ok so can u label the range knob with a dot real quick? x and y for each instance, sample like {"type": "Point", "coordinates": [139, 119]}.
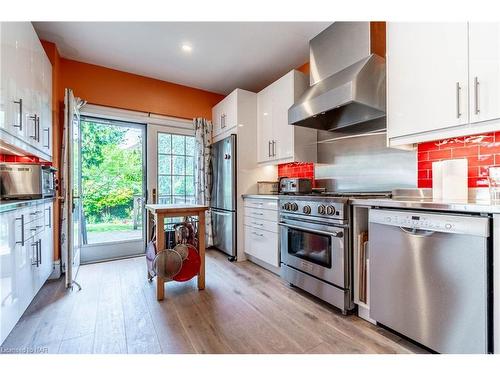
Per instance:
{"type": "Point", "coordinates": [306, 209]}
{"type": "Point", "coordinates": [330, 210]}
{"type": "Point", "coordinates": [321, 209]}
{"type": "Point", "coordinates": [294, 207]}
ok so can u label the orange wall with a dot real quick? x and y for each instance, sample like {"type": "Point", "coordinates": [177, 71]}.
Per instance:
{"type": "Point", "coordinates": [305, 68]}
{"type": "Point", "coordinates": [114, 88]}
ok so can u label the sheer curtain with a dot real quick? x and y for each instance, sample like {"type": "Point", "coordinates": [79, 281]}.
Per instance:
{"type": "Point", "coordinates": [203, 169]}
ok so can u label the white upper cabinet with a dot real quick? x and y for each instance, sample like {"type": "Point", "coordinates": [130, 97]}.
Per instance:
{"type": "Point", "coordinates": [484, 71]}
{"type": "Point", "coordinates": [443, 80]}
{"type": "Point", "coordinates": [26, 90]}
{"type": "Point", "coordinates": [427, 81]}
{"type": "Point", "coordinates": [279, 142]}
{"type": "Point", "coordinates": [225, 114]}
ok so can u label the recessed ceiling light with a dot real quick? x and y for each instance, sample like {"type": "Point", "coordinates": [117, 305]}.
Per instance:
{"type": "Point", "coordinates": [186, 47]}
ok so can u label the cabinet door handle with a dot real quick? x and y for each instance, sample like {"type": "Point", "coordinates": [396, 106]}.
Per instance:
{"type": "Point", "coordinates": [269, 148]}
{"type": "Point", "coordinates": [458, 99]}
{"type": "Point", "coordinates": [223, 121]}
{"type": "Point", "coordinates": [34, 136]}
{"type": "Point", "coordinates": [274, 148]}
{"type": "Point", "coordinates": [35, 245]}
{"type": "Point", "coordinates": [476, 95]}
{"type": "Point", "coordinates": [38, 129]}
{"type": "Point", "coordinates": [39, 247]}
{"type": "Point", "coordinates": [48, 137]}
{"type": "Point", "coordinates": [20, 102]}
{"type": "Point", "coordinates": [22, 230]}
{"type": "Point", "coordinates": [257, 234]}
{"type": "Point", "coordinates": [260, 224]}
{"type": "Point", "coordinates": [50, 216]}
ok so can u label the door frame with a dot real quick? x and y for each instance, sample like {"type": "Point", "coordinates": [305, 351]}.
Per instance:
{"type": "Point", "coordinates": [153, 124]}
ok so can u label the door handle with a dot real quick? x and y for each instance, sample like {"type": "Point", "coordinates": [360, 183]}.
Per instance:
{"type": "Point", "coordinates": [417, 232]}
{"type": "Point", "coordinates": [476, 95]}
{"type": "Point", "coordinates": [22, 230]}
{"type": "Point", "coordinates": [35, 245]}
{"type": "Point", "coordinates": [258, 234]}
{"type": "Point", "coordinates": [39, 247]}
{"type": "Point", "coordinates": [34, 136]}
{"type": "Point", "coordinates": [50, 216]}
{"type": "Point", "coordinates": [48, 137]}
{"type": "Point", "coordinates": [20, 102]}
{"type": "Point", "coordinates": [458, 88]}
{"type": "Point", "coordinates": [339, 234]}
{"type": "Point", "coordinates": [274, 148]}
{"type": "Point", "coordinates": [269, 148]}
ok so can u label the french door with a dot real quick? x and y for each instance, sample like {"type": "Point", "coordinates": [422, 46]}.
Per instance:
{"type": "Point", "coordinates": [71, 189]}
{"type": "Point", "coordinates": [113, 180]}
{"type": "Point", "coordinates": [171, 159]}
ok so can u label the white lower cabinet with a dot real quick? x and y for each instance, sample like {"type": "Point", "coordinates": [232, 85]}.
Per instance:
{"type": "Point", "coordinates": [26, 259]}
{"type": "Point", "coordinates": [261, 231]}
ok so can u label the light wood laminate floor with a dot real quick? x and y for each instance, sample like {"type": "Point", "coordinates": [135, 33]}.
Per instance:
{"type": "Point", "coordinates": [244, 309]}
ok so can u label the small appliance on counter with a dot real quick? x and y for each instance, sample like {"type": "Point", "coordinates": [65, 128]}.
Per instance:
{"type": "Point", "coordinates": [267, 187]}
{"type": "Point", "coordinates": [26, 181]}
{"type": "Point", "coordinates": [449, 180]}
{"type": "Point", "coordinates": [295, 186]}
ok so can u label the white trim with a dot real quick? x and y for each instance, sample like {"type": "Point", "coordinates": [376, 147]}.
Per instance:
{"type": "Point", "coordinates": [135, 116]}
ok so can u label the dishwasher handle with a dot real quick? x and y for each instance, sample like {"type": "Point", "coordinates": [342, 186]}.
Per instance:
{"type": "Point", "coordinates": [417, 232]}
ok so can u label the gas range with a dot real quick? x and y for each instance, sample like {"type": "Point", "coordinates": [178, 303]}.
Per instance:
{"type": "Point", "coordinates": [315, 245]}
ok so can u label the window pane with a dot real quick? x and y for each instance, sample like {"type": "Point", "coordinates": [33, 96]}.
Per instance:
{"type": "Point", "coordinates": [176, 168]}
{"type": "Point", "coordinates": [189, 185]}
{"type": "Point", "coordinates": [164, 143]}
{"type": "Point", "coordinates": [178, 144]}
{"type": "Point", "coordinates": [164, 164]}
{"type": "Point", "coordinates": [179, 199]}
{"type": "Point", "coordinates": [189, 165]}
{"type": "Point", "coordinates": [165, 200]}
{"type": "Point", "coordinates": [165, 187]}
{"type": "Point", "coordinates": [179, 165]}
{"type": "Point", "coordinates": [190, 145]}
{"type": "Point", "coordinates": [179, 185]}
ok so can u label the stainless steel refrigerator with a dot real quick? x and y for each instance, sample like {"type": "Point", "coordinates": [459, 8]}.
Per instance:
{"type": "Point", "coordinates": [223, 199]}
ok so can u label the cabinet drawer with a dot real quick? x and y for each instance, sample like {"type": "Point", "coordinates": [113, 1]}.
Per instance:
{"type": "Point", "coordinates": [267, 204]}
{"type": "Point", "coordinates": [258, 213]}
{"type": "Point", "coordinates": [262, 245]}
{"type": "Point", "coordinates": [261, 224]}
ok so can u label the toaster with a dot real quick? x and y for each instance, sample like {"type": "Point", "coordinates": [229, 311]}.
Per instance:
{"type": "Point", "coordinates": [295, 185]}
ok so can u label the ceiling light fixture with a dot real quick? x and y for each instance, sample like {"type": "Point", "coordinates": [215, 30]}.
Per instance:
{"type": "Point", "coordinates": [186, 47]}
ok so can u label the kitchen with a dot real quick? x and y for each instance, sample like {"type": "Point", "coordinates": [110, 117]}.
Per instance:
{"type": "Point", "coordinates": [300, 207]}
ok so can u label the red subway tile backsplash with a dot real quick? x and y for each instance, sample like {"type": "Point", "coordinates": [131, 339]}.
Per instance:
{"type": "Point", "coordinates": [305, 170]}
{"type": "Point", "coordinates": [481, 151]}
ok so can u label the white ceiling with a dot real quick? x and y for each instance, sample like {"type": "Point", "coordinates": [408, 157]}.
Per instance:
{"type": "Point", "coordinates": [224, 56]}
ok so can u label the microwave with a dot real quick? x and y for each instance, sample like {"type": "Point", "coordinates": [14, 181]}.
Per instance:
{"type": "Point", "coordinates": [26, 181]}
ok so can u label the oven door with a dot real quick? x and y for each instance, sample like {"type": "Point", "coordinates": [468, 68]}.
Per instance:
{"type": "Point", "coordinates": [315, 249]}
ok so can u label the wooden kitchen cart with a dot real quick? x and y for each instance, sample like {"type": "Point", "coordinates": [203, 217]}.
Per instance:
{"type": "Point", "coordinates": [162, 211]}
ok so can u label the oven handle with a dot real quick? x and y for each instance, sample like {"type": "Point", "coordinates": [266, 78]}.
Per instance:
{"type": "Point", "coordinates": [338, 234]}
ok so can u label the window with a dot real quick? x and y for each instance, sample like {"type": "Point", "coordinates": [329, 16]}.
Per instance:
{"type": "Point", "coordinates": [175, 168]}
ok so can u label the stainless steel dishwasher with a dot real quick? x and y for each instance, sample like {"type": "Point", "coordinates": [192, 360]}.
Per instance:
{"type": "Point", "coordinates": [429, 278]}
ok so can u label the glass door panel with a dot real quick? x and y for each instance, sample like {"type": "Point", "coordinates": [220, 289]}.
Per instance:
{"type": "Point", "coordinates": [113, 188]}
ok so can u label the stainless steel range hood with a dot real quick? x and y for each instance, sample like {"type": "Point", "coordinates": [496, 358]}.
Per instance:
{"type": "Point", "coordinates": [352, 95]}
